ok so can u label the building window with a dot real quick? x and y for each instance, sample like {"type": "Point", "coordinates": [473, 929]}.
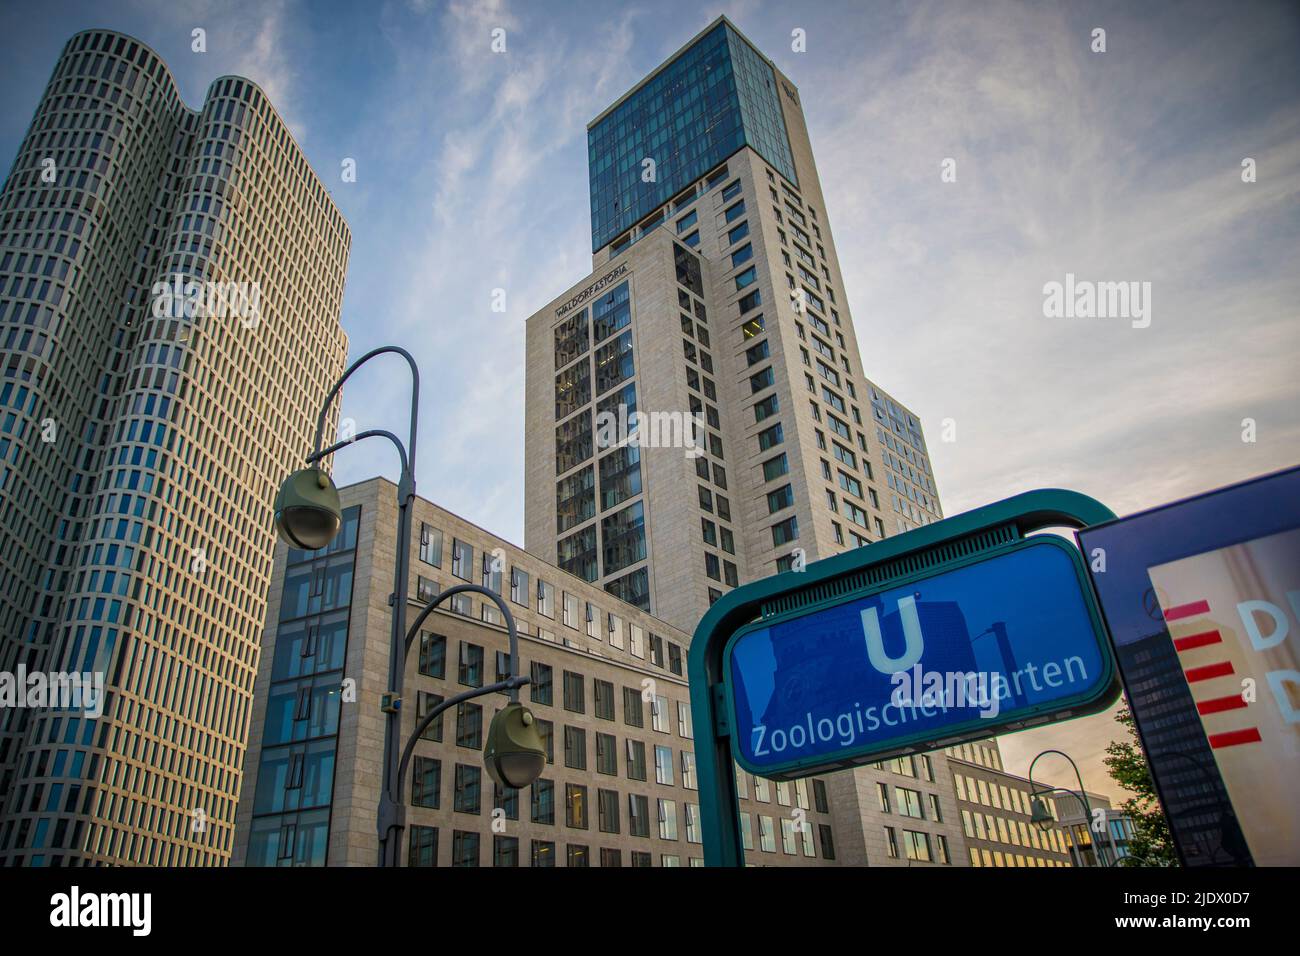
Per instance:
{"type": "Point", "coordinates": [578, 855]}
{"type": "Point", "coordinates": [505, 850]}
{"type": "Point", "coordinates": [575, 748]}
{"type": "Point", "coordinates": [828, 844]}
{"type": "Point", "coordinates": [659, 718]}
{"type": "Point", "coordinates": [424, 846]}
{"type": "Point", "coordinates": [469, 725]}
{"type": "Point", "coordinates": [430, 545]}
{"type": "Point", "coordinates": [606, 754]}
{"type": "Point", "coordinates": [433, 654]}
{"type": "Point", "coordinates": [470, 672]}
{"type": "Point", "coordinates": [820, 802]}
{"type": "Point", "coordinates": [667, 813]}
{"type": "Point", "coordinates": [607, 810]}
{"type": "Point", "coordinates": [891, 843]}
{"type": "Point", "coordinates": [633, 711]}
{"type": "Point", "coordinates": [426, 782]}
{"type": "Point", "coordinates": [506, 799]}
{"type": "Point", "coordinates": [543, 797]}
{"type": "Point", "coordinates": [541, 687]}
{"type": "Point", "coordinates": [575, 806]}
{"type": "Point", "coordinates": [575, 700]}
{"type": "Point", "coordinates": [638, 815]}
{"type": "Point", "coordinates": [635, 760]}
{"type": "Point", "coordinates": [426, 702]}
{"type": "Point", "coordinates": [604, 707]}
{"type": "Point", "coordinates": [468, 789]}
{"type": "Point", "coordinates": [664, 765]}
{"type": "Point", "coordinates": [462, 559]}
{"type": "Point", "coordinates": [543, 853]}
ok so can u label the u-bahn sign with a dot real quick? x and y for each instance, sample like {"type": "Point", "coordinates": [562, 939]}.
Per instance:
{"type": "Point", "coordinates": [954, 632]}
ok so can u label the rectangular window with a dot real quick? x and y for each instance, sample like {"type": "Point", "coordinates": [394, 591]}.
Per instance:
{"type": "Point", "coordinates": [633, 711]}
{"type": "Point", "coordinates": [470, 668]}
{"type": "Point", "coordinates": [775, 467]}
{"type": "Point", "coordinates": [543, 853]}
{"type": "Point", "coordinates": [424, 846]}
{"type": "Point", "coordinates": [542, 688]}
{"type": "Point", "coordinates": [746, 278]}
{"type": "Point", "coordinates": [430, 545]}
{"type": "Point", "coordinates": [667, 812]}
{"type": "Point", "coordinates": [462, 559]}
{"type": "Point", "coordinates": [607, 754]}
{"type": "Point", "coordinates": [468, 788]}
{"type": "Point", "coordinates": [575, 806]}
{"type": "Point", "coordinates": [785, 531]}
{"type": "Point", "coordinates": [505, 850]}
{"type": "Point", "coordinates": [433, 654]}
{"type": "Point", "coordinates": [426, 782]}
{"type": "Point", "coordinates": [604, 692]}
{"type": "Point", "coordinates": [469, 725]}
{"type": "Point", "coordinates": [607, 811]}
{"type": "Point", "coordinates": [543, 797]}
{"type": "Point", "coordinates": [664, 765]}
{"type": "Point", "coordinates": [575, 700]}
{"type": "Point", "coordinates": [638, 815]}
{"type": "Point", "coordinates": [575, 748]}
{"type": "Point", "coordinates": [635, 759]}
{"type": "Point", "coordinates": [519, 587]}
{"type": "Point", "coordinates": [770, 437]}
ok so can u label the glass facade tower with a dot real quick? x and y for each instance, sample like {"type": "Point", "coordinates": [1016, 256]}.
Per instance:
{"type": "Point", "coordinates": [717, 96]}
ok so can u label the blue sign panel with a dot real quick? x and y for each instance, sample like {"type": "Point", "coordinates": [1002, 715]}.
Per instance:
{"type": "Point", "coordinates": [1006, 640]}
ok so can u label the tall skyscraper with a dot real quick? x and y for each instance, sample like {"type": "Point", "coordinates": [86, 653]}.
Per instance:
{"type": "Point", "coordinates": [716, 296]}
{"type": "Point", "coordinates": [170, 285]}
{"type": "Point", "coordinates": [698, 414]}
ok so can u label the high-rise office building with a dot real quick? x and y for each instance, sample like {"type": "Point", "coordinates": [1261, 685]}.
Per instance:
{"type": "Point", "coordinates": [698, 414]}
{"type": "Point", "coordinates": [608, 690]}
{"type": "Point", "coordinates": [715, 318]}
{"type": "Point", "coordinates": [170, 285]}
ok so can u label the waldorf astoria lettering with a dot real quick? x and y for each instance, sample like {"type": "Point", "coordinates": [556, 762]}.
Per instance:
{"type": "Point", "coordinates": [591, 290]}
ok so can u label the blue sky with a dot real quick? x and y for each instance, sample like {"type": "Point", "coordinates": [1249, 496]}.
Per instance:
{"type": "Point", "coordinates": [1115, 166]}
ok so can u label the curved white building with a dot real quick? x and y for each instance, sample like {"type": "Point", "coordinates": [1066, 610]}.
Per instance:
{"type": "Point", "coordinates": [141, 441]}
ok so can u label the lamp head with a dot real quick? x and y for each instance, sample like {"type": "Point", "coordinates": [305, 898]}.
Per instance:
{"type": "Point", "coordinates": [1040, 816]}
{"type": "Point", "coordinates": [514, 754]}
{"type": "Point", "coordinates": [307, 509]}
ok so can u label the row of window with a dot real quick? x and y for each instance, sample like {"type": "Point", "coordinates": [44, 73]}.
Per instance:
{"type": "Point", "coordinates": [466, 850]}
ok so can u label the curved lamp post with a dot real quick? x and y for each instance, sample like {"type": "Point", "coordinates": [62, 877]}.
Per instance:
{"type": "Point", "coordinates": [1042, 818]}
{"type": "Point", "coordinates": [308, 515]}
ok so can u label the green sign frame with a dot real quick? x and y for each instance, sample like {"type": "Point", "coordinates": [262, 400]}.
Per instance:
{"type": "Point", "coordinates": [893, 562]}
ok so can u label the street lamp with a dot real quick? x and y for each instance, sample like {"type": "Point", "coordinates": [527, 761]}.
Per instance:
{"type": "Point", "coordinates": [307, 509]}
{"type": "Point", "coordinates": [308, 515]}
{"type": "Point", "coordinates": [1040, 815]}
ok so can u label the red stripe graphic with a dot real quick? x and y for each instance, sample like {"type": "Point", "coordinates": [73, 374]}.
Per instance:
{"type": "Point", "coordinates": [1218, 704]}
{"type": "Point", "coordinates": [1196, 640]}
{"type": "Point", "coordinates": [1209, 670]}
{"type": "Point", "coordinates": [1181, 611]}
{"type": "Point", "coordinates": [1234, 737]}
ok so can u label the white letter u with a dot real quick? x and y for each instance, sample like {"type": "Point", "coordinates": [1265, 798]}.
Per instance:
{"type": "Point", "coordinates": [914, 643]}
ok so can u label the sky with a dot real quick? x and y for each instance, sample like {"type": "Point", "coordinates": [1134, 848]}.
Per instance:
{"type": "Point", "coordinates": [1115, 166]}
